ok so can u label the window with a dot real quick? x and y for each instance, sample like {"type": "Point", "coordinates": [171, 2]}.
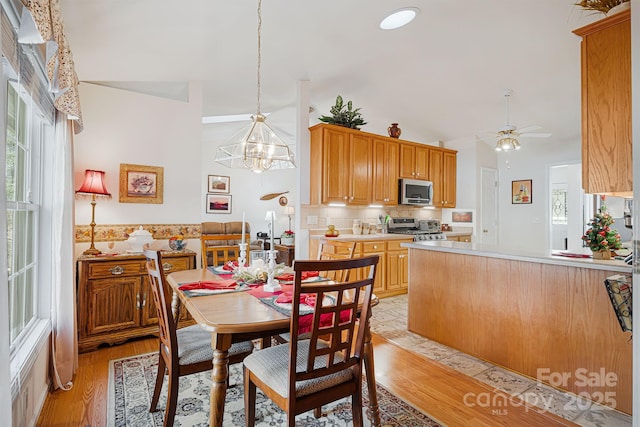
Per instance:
{"type": "Point", "coordinates": [25, 131]}
{"type": "Point", "coordinates": [559, 206]}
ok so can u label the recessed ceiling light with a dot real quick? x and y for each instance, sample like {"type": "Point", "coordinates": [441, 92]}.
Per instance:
{"type": "Point", "coordinates": [399, 18]}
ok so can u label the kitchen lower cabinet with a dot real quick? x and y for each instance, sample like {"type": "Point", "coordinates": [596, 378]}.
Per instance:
{"type": "Point", "coordinates": [114, 299]}
{"type": "Point", "coordinates": [464, 238]}
{"type": "Point", "coordinates": [397, 278]}
{"type": "Point", "coordinates": [375, 248]}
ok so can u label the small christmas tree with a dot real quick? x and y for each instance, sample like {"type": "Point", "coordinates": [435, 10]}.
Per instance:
{"type": "Point", "coordinates": [600, 237]}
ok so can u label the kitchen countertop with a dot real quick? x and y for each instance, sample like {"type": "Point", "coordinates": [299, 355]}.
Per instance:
{"type": "Point", "coordinates": [543, 257]}
{"type": "Point", "coordinates": [364, 237]}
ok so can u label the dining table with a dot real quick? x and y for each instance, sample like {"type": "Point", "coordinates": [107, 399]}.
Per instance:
{"type": "Point", "coordinates": [239, 316]}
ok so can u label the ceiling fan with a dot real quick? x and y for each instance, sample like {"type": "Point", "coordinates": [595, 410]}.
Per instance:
{"type": "Point", "coordinates": [509, 135]}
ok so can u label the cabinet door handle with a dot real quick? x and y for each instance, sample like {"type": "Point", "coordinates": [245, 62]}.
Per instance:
{"type": "Point", "coordinates": [116, 270]}
{"type": "Point", "coordinates": [138, 301]}
{"type": "Point", "coordinates": [167, 267]}
{"type": "Point", "coordinates": [144, 299]}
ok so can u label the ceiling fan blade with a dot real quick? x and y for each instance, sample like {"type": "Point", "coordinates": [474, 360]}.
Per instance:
{"type": "Point", "coordinates": [270, 196]}
{"type": "Point", "coordinates": [527, 129]}
{"type": "Point", "coordinates": [535, 135]}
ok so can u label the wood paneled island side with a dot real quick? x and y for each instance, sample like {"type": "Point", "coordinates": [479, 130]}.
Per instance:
{"type": "Point", "coordinates": [547, 317]}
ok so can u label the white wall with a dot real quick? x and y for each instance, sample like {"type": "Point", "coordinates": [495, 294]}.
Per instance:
{"type": "Point", "coordinates": [128, 127]}
{"type": "Point", "coordinates": [526, 226]}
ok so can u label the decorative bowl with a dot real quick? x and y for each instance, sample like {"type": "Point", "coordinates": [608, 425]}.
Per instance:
{"type": "Point", "coordinates": [177, 245]}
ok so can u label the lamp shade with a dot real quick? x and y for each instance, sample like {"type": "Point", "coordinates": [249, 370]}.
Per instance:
{"type": "Point", "coordinates": [270, 215]}
{"type": "Point", "coordinates": [289, 210]}
{"type": "Point", "coordinates": [93, 184]}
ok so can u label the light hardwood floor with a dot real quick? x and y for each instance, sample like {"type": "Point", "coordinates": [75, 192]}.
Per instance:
{"type": "Point", "coordinates": [432, 387]}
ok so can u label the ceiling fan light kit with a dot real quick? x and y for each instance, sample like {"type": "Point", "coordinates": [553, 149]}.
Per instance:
{"type": "Point", "coordinates": [508, 136]}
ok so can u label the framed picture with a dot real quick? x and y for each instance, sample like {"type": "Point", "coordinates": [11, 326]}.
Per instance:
{"type": "Point", "coordinates": [218, 184]}
{"type": "Point", "coordinates": [462, 216]}
{"type": "Point", "coordinates": [521, 192]}
{"type": "Point", "coordinates": [217, 203]}
{"type": "Point", "coordinates": [141, 184]}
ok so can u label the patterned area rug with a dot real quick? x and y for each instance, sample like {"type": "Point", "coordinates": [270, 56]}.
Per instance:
{"type": "Point", "coordinates": [131, 382]}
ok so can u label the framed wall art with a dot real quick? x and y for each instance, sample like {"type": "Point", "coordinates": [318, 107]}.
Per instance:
{"type": "Point", "coordinates": [218, 184]}
{"type": "Point", "coordinates": [141, 184]}
{"type": "Point", "coordinates": [521, 192]}
{"type": "Point", "coordinates": [217, 203]}
{"type": "Point", "coordinates": [462, 216]}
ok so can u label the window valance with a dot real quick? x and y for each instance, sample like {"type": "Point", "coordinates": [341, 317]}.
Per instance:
{"type": "Point", "coordinates": [41, 23]}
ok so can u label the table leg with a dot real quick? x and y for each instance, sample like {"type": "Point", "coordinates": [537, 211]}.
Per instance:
{"type": "Point", "coordinates": [219, 377]}
{"type": "Point", "coordinates": [374, 410]}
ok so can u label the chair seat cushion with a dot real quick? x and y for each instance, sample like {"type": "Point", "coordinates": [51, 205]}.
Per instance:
{"type": "Point", "coordinates": [272, 364]}
{"type": "Point", "coordinates": [194, 345]}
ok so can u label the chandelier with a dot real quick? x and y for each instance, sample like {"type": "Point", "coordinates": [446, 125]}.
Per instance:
{"type": "Point", "coordinates": [256, 147]}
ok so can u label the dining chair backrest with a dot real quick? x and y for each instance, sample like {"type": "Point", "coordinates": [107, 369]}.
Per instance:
{"type": "Point", "coordinates": [166, 321]}
{"type": "Point", "coordinates": [320, 370]}
{"type": "Point", "coordinates": [216, 250]}
{"type": "Point", "coordinates": [333, 250]}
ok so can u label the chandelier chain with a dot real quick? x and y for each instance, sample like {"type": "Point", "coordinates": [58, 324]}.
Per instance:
{"type": "Point", "coordinates": [259, 48]}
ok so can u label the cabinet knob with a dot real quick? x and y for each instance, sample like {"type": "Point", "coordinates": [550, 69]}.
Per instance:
{"type": "Point", "coordinates": [413, 173]}
{"type": "Point", "coordinates": [167, 267]}
{"type": "Point", "coordinates": [485, 230]}
{"type": "Point", "coordinates": [417, 173]}
{"type": "Point", "coordinates": [345, 197]}
{"type": "Point", "coordinates": [375, 246]}
{"type": "Point", "coordinates": [116, 270]}
{"type": "Point", "coordinates": [351, 198]}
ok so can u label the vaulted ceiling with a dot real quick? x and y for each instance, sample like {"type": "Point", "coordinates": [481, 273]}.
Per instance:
{"type": "Point", "coordinates": [442, 77]}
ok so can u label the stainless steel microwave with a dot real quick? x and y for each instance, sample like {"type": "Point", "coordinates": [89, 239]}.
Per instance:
{"type": "Point", "coordinates": [415, 192]}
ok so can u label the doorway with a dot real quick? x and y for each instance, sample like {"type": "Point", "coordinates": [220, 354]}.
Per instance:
{"type": "Point", "coordinates": [488, 206]}
{"type": "Point", "coordinates": [567, 207]}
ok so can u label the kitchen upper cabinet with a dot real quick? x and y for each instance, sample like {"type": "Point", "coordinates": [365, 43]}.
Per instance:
{"type": "Point", "coordinates": [442, 172]}
{"type": "Point", "coordinates": [606, 105]}
{"type": "Point", "coordinates": [414, 161]}
{"type": "Point", "coordinates": [341, 165]}
{"type": "Point", "coordinates": [385, 171]}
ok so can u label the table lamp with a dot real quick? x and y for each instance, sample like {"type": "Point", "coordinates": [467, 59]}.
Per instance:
{"type": "Point", "coordinates": [289, 211]}
{"type": "Point", "coordinates": [93, 186]}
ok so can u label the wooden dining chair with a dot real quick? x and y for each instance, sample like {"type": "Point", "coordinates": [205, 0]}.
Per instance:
{"type": "Point", "coordinates": [217, 250]}
{"type": "Point", "coordinates": [318, 371]}
{"type": "Point", "coordinates": [336, 249]}
{"type": "Point", "coordinates": [183, 351]}
{"type": "Point", "coordinates": [328, 249]}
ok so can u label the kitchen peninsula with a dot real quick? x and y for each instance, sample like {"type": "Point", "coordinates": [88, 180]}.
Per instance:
{"type": "Point", "coordinates": [544, 316]}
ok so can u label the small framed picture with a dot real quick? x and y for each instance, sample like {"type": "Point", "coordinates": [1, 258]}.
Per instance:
{"type": "Point", "coordinates": [217, 203]}
{"type": "Point", "coordinates": [462, 216]}
{"type": "Point", "coordinates": [141, 184]}
{"type": "Point", "coordinates": [521, 192]}
{"type": "Point", "coordinates": [218, 184]}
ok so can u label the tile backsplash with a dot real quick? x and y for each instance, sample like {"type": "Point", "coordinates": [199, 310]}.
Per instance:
{"type": "Point", "coordinates": [342, 217]}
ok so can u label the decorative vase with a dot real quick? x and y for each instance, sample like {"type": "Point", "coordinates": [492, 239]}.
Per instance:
{"type": "Point", "coordinates": [603, 255]}
{"type": "Point", "coordinates": [394, 130]}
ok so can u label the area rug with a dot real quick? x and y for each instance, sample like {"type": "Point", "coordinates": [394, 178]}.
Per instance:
{"type": "Point", "coordinates": [131, 382]}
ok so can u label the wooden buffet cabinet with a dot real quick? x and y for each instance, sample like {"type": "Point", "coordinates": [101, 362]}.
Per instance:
{"type": "Point", "coordinates": [359, 168]}
{"type": "Point", "coordinates": [114, 301]}
{"type": "Point", "coordinates": [607, 163]}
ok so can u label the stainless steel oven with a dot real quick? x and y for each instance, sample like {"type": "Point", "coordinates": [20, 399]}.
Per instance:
{"type": "Point", "coordinates": [421, 230]}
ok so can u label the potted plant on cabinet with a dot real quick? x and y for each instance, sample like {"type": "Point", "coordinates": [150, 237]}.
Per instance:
{"type": "Point", "coordinates": [342, 115]}
{"type": "Point", "coordinates": [288, 238]}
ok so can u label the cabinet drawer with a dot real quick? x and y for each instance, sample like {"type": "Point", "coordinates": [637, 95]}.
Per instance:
{"type": "Point", "coordinates": [368, 247]}
{"type": "Point", "coordinates": [174, 264]}
{"type": "Point", "coordinates": [395, 245]}
{"type": "Point", "coordinates": [116, 269]}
